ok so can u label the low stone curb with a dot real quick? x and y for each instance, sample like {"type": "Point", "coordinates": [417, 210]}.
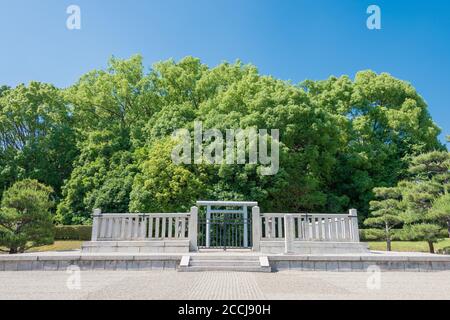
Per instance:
{"type": "Point", "coordinates": [359, 263]}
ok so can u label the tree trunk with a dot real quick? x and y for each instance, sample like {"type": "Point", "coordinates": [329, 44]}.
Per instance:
{"type": "Point", "coordinates": [430, 244]}
{"type": "Point", "coordinates": [388, 238]}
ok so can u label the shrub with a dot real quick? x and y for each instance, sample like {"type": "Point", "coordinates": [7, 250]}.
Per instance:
{"type": "Point", "coordinates": [73, 233]}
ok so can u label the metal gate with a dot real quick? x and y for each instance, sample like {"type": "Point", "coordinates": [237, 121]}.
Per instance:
{"type": "Point", "coordinates": [224, 225]}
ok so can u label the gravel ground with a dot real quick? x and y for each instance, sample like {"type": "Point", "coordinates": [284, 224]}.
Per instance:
{"type": "Point", "coordinates": [172, 285]}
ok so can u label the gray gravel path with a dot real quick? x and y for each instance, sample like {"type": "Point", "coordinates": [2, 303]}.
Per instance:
{"type": "Point", "coordinates": [224, 285]}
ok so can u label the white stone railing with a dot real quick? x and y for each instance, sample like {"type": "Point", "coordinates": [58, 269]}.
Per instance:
{"type": "Point", "coordinates": [304, 227]}
{"type": "Point", "coordinates": [144, 226]}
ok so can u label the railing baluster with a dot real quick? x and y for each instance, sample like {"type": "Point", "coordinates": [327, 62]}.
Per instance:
{"type": "Point", "coordinates": [280, 227]}
{"type": "Point", "coordinates": [339, 229]}
{"type": "Point", "coordinates": [183, 227]}
{"type": "Point", "coordinates": [306, 228]}
{"type": "Point", "coordinates": [272, 227]}
{"type": "Point", "coordinates": [150, 227]}
{"type": "Point", "coordinates": [299, 228]}
{"type": "Point", "coordinates": [169, 231]}
{"type": "Point", "coordinates": [326, 226]}
{"type": "Point", "coordinates": [157, 231]}
{"type": "Point", "coordinates": [163, 229]}
{"type": "Point", "coordinates": [313, 225]}
{"type": "Point", "coordinates": [319, 227]}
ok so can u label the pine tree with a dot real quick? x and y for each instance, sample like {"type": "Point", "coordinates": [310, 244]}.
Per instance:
{"type": "Point", "coordinates": [25, 218]}
{"type": "Point", "coordinates": [429, 180]}
{"type": "Point", "coordinates": [441, 210]}
{"type": "Point", "coordinates": [386, 211]}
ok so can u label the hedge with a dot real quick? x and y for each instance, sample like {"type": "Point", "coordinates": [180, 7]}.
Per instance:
{"type": "Point", "coordinates": [73, 233]}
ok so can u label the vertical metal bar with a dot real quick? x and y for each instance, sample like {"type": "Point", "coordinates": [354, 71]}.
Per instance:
{"type": "Point", "coordinates": [225, 231]}
{"type": "Point", "coordinates": [245, 216]}
{"type": "Point", "coordinates": [208, 226]}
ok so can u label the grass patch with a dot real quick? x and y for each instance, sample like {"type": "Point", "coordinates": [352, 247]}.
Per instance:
{"type": "Point", "coordinates": [57, 246]}
{"type": "Point", "coordinates": [64, 245]}
{"type": "Point", "coordinates": [412, 246]}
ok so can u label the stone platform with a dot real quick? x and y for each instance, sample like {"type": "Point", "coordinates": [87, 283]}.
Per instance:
{"type": "Point", "coordinates": [154, 246]}
{"type": "Point", "coordinates": [394, 261]}
{"type": "Point", "coordinates": [314, 247]}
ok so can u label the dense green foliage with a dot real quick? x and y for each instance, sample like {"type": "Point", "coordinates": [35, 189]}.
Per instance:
{"type": "Point", "coordinates": [106, 141]}
{"type": "Point", "coordinates": [37, 136]}
{"type": "Point", "coordinates": [25, 218]}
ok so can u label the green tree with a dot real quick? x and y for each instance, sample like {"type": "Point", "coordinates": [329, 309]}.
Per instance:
{"type": "Point", "coordinates": [440, 210]}
{"type": "Point", "coordinates": [428, 232]}
{"type": "Point", "coordinates": [25, 218]}
{"type": "Point", "coordinates": [37, 137]}
{"type": "Point", "coordinates": [429, 180]}
{"type": "Point", "coordinates": [340, 137]}
{"type": "Point", "coordinates": [385, 120]}
{"type": "Point", "coordinates": [386, 211]}
{"type": "Point", "coordinates": [163, 186]}
{"type": "Point", "coordinates": [102, 178]}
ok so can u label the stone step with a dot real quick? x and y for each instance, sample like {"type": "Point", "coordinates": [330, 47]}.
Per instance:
{"type": "Point", "coordinates": [225, 257]}
{"type": "Point", "coordinates": [224, 263]}
{"type": "Point", "coordinates": [225, 268]}
{"type": "Point", "coordinates": [237, 263]}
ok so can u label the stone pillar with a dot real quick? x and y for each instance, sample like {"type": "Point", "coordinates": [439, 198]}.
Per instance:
{"type": "Point", "coordinates": [288, 233]}
{"type": "Point", "coordinates": [256, 229]}
{"type": "Point", "coordinates": [193, 229]}
{"type": "Point", "coordinates": [95, 223]}
{"type": "Point", "coordinates": [353, 214]}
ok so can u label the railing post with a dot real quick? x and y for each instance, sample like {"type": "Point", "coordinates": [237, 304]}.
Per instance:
{"type": "Point", "coordinates": [256, 229]}
{"type": "Point", "coordinates": [95, 223]}
{"type": "Point", "coordinates": [193, 229]}
{"type": "Point", "coordinates": [353, 214]}
{"type": "Point", "coordinates": [288, 233]}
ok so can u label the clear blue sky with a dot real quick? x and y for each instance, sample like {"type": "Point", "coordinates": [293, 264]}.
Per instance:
{"type": "Point", "coordinates": [292, 40]}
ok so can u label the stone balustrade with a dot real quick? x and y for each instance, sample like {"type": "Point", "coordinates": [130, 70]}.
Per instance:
{"type": "Point", "coordinates": [288, 233]}
{"type": "Point", "coordinates": [141, 227]}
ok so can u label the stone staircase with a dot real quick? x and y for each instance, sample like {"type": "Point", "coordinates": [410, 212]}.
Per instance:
{"type": "Point", "coordinates": [198, 263]}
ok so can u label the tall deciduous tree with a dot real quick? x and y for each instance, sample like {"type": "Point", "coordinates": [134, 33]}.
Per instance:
{"type": "Point", "coordinates": [385, 120]}
{"type": "Point", "coordinates": [340, 138]}
{"type": "Point", "coordinates": [37, 136]}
